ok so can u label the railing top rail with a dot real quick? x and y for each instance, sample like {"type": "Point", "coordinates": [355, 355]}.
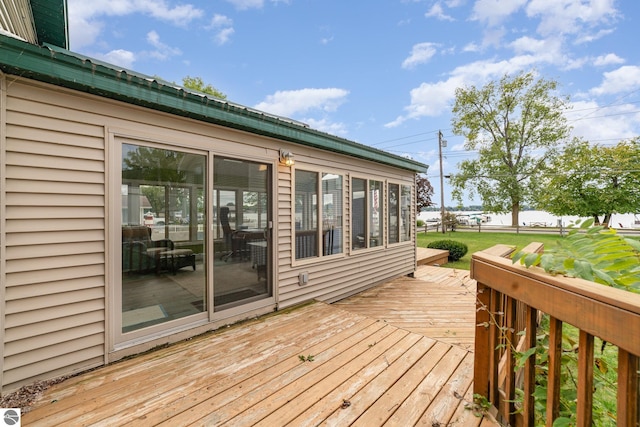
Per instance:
{"type": "Point", "coordinates": [609, 313]}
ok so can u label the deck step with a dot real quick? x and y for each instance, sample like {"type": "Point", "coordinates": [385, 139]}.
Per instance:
{"type": "Point", "coordinates": [428, 256]}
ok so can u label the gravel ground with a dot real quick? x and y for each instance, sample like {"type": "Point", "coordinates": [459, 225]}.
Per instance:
{"type": "Point", "coordinates": [26, 395]}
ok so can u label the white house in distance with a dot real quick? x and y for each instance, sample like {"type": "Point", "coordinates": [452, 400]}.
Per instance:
{"type": "Point", "coordinates": [135, 213]}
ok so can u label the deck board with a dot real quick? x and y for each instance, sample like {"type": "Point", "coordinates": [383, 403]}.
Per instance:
{"type": "Point", "coordinates": [438, 303]}
{"type": "Point", "coordinates": [387, 356]}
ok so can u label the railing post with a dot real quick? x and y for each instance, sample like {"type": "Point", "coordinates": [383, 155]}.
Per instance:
{"type": "Point", "coordinates": [628, 414]}
{"type": "Point", "coordinates": [482, 359]}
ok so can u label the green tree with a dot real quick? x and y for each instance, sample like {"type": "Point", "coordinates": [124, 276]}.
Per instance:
{"type": "Point", "coordinates": [513, 124]}
{"type": "Point", "coordinates": [424, 191]}
{"type": "Point", "coordinates": [196, 83]}
{"type": "Point", "coordinates": [592, 180]}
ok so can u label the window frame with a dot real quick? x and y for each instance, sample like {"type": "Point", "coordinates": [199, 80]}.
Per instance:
{"type": "Point", "coordinates": [399, 208]}
{"type": "Point", "coordinates": [319, 215]}
{"type": "Point", "coordinates": [382, 203]}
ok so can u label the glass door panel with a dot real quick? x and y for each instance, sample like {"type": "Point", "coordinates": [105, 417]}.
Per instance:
{"type": "Point", "coordinates": [242, 195]}
{"type": "Point", "coordinates": [163, 236]}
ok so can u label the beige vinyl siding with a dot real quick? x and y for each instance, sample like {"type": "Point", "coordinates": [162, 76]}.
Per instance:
{"type": "Point", "coordinates": [334, 277]}
{"type": "Point", "coordinates": [54, 318]}
{"type": "Point", "coordinates": [55, 243]}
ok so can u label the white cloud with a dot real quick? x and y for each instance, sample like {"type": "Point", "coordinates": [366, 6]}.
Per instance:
{"type": "Point", "coordinates": [247, 4]}
{"type": "Point", "coordinates": [603, 124]}
{"type": "Point", "coordinates": [420, 54]}
{"type": "Point", "coordinates": [624, 79]}
{"type": "Point", "coordinates": [570, 16]}
{"type": "Point", "coordinates": [428, 99]}
{"type": "Point", "coordinates": [324, 125]}
{"type": "Point", "coordinates": [120, 57]}
{"type": "Point", "coordinates": [224, 28]}
{"type": "Point", "coordinates": [162, 51]}
{"type": "Point", "coordinates": [433, 99]}
{"type": "Point", "coordinates": [548, 50]}
{"type": "Point", "coordinates": [494, 12]}
{"type": "Point", "coordinates": [608, 59]}
{"type": "Point", "coordinates": [294, 102]}
{"type": "Point", "coordinates": [84, 16]}
{"type": "Point", "coordinates": [437, 11]}
{"type": "Point", "coordinates": [471, 47]}
{"type": "Point", "coordinates": [223, 36]}
{"type": "Point", "coordinates": [220, 21]}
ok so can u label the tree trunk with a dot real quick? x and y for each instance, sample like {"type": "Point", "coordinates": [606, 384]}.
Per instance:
{"type": "Point", "coordinates": [606, 220]}
{"type": "Point", "coordinates": [515, 213]}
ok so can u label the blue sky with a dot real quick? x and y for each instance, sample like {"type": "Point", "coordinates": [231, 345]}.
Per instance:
{"type": "Point", "coordinates": [380, 72]}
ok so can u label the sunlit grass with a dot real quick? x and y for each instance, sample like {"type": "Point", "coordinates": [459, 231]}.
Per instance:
{"type": "Point", "coordinates": [479, 241]}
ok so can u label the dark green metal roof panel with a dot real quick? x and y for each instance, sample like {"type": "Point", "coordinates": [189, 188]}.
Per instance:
{"type": "Point", "coordinates": [66, 69]}
{"type": "Point", "coordinates": [50, 17]}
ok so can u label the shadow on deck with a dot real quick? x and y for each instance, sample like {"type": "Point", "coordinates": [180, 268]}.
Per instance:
{"type": "Point", "coordinates": [397, 354]}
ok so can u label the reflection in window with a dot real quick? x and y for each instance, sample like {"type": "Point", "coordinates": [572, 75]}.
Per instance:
{"type": "Point", "coordinates": [241, 203]}
{"type": "Point", "coordinates": [367, 213]}
{"type": "Point", "coordinates": [163, 235]}
{"type": "Point", "coordinates": [405, 213]}
{"type": "Point", "coordinates": [358, 213]}
{"type": "Point", "coordinates": [376, 212]}
{"type": "Point", "coordinates": [309, 238]}
{"type": "Point", "coordinates": [394, 207]}
{"type": "Point", "coordinates": [306, 216]}
{"type": "Point", "coordinates": [331, 214]}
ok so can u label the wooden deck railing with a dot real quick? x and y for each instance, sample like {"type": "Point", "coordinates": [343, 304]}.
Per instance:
{"type": "Point", "coordinates": [510, 300]}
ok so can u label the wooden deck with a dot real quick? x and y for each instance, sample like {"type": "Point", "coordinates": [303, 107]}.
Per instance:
{"type": "Point", "coordinates": [363, 366]}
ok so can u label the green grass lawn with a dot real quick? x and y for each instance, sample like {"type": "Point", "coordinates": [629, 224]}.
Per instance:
{"type": "Point", "coordinates": [479, 241]}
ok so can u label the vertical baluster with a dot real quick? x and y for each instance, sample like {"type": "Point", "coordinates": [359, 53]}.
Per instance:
{"type": "Point", "coordinates": [508, 407]}
{"type": "Point", "coordinates": [585, 380]}
{"type": "Point", "coordinates": [553, 380]}
{"type": "Point", "coordinates": [482, 359]}
{"type": "Point", "coordinates": [628, 414]}
{"type": "Point", "coordinates": [531, 325]}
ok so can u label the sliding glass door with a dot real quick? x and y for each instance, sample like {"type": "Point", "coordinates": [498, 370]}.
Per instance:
{"type": "Point", "coordinates": [163, 236]}
{"type": "Point", "coordinates": [242, 210]}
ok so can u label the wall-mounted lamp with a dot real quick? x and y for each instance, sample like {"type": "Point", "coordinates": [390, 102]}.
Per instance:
{"type": "Point", "coordinates": [286, 158]}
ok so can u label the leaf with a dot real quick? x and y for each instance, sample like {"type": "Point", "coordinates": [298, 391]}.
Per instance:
{"type": "Point", "coordinates": [602, 365]}
{"type": "Point", "coordinates": [562, 422]}
{"type": "Point", "coordinates": [517, 257]}
{"type": "Point", "coordinates": [583, 269]}
{"type": "Point", "coordinates": [521, 358]}
{"type": "Point", "coordinates": [531, 259]}
{"type": "Point", "coordinates": [635, 244]}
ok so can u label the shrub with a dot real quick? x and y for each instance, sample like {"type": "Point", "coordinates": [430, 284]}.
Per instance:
{"type": "Point", "coordinates": [419, 223]}
{"type": "Point", "coordinates": [456, 249]}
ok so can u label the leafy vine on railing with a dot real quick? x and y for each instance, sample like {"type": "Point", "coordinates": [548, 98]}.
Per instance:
{"type": "Point", "coordinates": [596, 254]}
{"type": "Point", "coordinates": [599, 255]}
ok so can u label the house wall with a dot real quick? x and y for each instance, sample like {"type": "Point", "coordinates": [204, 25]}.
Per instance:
{"type": "Point", "coordinates": [57, 277]}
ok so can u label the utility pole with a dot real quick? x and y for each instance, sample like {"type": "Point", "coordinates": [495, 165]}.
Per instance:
{"type": "Point", "coordinates": [441, 143]}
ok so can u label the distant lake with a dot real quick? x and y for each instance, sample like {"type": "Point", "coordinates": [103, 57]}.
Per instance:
{"type": "Point", "coordinates": [538, 217]}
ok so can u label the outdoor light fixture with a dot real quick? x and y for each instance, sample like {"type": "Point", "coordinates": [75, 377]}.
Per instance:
{"type": "Point", "coordinates": [286, 158]}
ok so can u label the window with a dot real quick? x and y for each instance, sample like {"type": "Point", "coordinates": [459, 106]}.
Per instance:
{"type": "Point", "coordinates": [311, 236]}
{"type": "Point", "coordinates": [399, 217]}
{"type": "Point", "coordinates": [163, 236]}
{"type": "Point", "coordinates": [405, 213]}
{"type": "Point", "coordinates": [394, 214]}
{"type": "Point", "coordinates": [367, 213]}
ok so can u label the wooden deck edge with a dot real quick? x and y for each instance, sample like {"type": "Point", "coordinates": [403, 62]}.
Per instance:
{"type": "Point", "coordinates": [428, 256]}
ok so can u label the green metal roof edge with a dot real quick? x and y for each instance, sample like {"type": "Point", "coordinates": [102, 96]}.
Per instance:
{"type": "Point", "coordinates": [50, 17]}
{"type": "Point", "coordinates": [70, 70]}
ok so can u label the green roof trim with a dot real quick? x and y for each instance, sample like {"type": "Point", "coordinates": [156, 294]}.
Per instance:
{"type": "Point", "coordinates": [50, 18]}
{"type": "Point", "coordinates": [70, 70]}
